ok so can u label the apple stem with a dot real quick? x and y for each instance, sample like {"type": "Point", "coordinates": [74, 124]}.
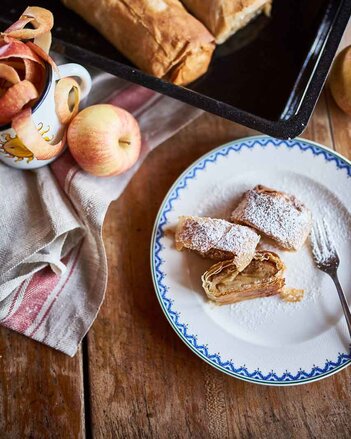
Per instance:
{"type": "Point", "coordinates": [124, 143]}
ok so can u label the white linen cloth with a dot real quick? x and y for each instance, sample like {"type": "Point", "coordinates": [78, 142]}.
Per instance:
{"type": "Point", "coordinates": [53, 268]}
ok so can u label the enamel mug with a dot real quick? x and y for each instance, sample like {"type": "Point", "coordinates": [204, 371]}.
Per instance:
{"type": "Point", "coordinates": [45, 118]}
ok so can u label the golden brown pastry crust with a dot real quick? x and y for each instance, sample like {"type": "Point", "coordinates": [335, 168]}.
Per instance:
{"type": "Point", "coordinates": [217, 239]}
{"type": "Point", "coordinates": [280, 216]}
{"type": "Point", "coordinates": [225, 17]}
{"type": "Point", "coordinates": [263, 277]}
{"type": "Point", "coordinates": [158, 36]}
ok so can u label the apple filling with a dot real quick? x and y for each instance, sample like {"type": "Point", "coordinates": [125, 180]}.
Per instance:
{"type": "Point", "coordinates": [255, 273]}
{"type": "Point", "coordinates": [263, 277]}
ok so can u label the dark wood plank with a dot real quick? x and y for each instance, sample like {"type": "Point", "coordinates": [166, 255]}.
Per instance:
{"type": "Point", "coordinates": [144, 381]}
{"type": "Point", "coordinates": [41, 390]}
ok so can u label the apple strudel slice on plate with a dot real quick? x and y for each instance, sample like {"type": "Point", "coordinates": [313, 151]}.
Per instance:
{"type": "Point", "coordinates": [277, 215]}
{"type": "Point", "coordinates": [217, 239]}
{"type": "Point", "coordinates": [263, 277]}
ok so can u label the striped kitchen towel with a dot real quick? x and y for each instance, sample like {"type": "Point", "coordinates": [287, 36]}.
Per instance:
{"type": "Point", "coordinates": [53, 268]}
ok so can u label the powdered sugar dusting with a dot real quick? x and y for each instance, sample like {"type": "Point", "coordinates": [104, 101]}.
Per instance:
{"type": "Point", "coordinates": [238, 239]}
{"type": "Point", "coordinates": [323, 248]}
{"type": "Point", "coordinates": [275, 214]}
{"type": "Point", "coordinates": [201, 234]}
{"type": "Point", "coordinates": [253, 317]}
{"type": "Point", "coordinates": [210, 234]}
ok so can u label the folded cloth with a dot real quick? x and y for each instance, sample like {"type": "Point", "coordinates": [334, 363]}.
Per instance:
{"type": "Point", "coordinates": [53, 268]}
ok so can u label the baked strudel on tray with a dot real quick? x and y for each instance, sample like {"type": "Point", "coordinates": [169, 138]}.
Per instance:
{"type": "Point", "coordinates": [225, 17]}
{"type": "Point", "coordinates": [277, 215]}
{"type": "Point", "coordinates": [217, 239]}
{"type": "Point", "coordinates": [263, 277]}
{"type": "Point", "coordinates": [158, 36]}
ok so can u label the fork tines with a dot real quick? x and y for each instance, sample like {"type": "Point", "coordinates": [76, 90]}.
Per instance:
{"type": "Point", "coordinates": [323, 248]}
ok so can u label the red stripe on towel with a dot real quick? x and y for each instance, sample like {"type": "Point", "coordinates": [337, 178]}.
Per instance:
{"type": "Point", "coordinates": [62, 166]}
{"type": "Point", "coordinates": [37, 292]}
{"type": "Point", "coordinates": [57, 294]}
{"type": "Point", "coordinates": [132, 98]}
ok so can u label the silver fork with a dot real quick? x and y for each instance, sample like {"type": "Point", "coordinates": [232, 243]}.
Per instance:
{"type": "Point", "coordinates": [327, 260]}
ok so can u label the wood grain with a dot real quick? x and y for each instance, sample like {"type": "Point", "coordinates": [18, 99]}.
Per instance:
{"type": "Point", "coordinates": [144, 381]}
{"type": "Point", "coordinates": [41, 391]}
{"type": "Point", "coordinates": [147, 383]}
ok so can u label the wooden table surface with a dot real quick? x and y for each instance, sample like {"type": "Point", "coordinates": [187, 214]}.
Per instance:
{"type": "Point", "coordinates": [133, 377]}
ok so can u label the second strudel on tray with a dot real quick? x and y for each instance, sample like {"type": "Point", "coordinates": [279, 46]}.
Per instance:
{"type": "Point", "coordinates": [158, 36]}
{"type": "Point", "coordinates": [217, 239]}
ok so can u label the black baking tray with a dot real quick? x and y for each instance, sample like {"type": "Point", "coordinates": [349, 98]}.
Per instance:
{"type": "Point", "coordinates": [268, 76]}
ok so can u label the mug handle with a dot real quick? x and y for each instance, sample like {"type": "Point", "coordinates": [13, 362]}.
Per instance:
{"type": "Point", "coordinates": [73, 69]}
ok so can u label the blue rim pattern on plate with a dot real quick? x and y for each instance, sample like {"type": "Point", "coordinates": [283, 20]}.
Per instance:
{"type": "Point", "coordinates": [227, 366]}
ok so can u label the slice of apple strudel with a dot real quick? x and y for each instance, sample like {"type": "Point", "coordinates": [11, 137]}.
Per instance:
{"type": "Point", "coordinates": [263, 277]}
{"type": "Point", "coordinates": [277, 215]}
{"type": "Point", "coordinates": [217, 239]}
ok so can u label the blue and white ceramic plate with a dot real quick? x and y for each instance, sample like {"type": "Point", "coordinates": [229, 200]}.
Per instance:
{"type": "Point", "coordinates": [265, 341]}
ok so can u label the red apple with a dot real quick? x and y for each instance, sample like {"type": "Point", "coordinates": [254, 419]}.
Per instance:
{"type": "Point", "coordinates": [104, 140]}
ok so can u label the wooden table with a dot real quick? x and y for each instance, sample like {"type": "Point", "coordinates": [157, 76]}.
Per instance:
{"type": "Point", "coordinates": [133, 377]}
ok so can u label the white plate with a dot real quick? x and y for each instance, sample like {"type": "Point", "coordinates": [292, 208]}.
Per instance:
{"type": "Point", "coordinates": [267, 341]}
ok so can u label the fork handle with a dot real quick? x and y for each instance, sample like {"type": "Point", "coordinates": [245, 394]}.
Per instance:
{"type": "Point", "coordinates": [344, 304]}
